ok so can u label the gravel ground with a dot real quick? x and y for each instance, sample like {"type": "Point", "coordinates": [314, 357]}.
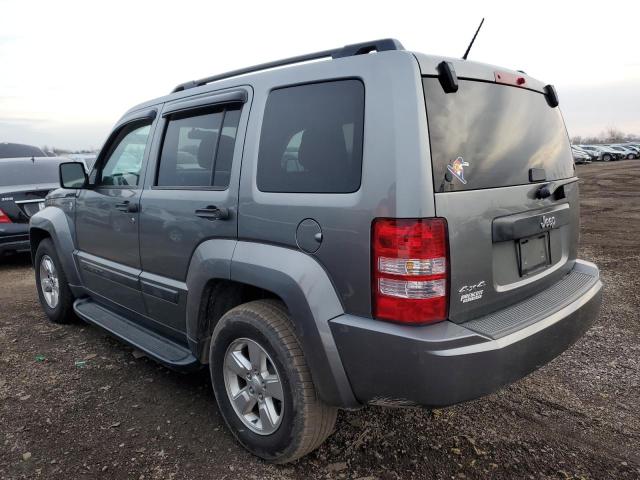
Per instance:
{"type": "Point", "coordinates": [75, 403]}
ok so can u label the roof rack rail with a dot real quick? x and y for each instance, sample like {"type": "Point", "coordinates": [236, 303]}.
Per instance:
{"type": "Point", "coordinates": [346, 51]}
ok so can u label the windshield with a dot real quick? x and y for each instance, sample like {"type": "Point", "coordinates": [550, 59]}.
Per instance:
{"type": "Point", "coordinates": [26, 172]}
{"type": "Point", "coordinates": [488, 135]}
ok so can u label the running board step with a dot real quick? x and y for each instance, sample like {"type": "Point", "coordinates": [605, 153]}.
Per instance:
{"type": "Point", "coordinates": [165, 351]}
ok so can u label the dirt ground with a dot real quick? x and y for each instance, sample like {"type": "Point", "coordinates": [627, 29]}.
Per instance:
{"type": "Point", "coordinates": [75, 403]}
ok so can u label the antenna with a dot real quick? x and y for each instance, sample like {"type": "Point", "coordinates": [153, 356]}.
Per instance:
{"type": "Point", "coordinates": [464, 57]}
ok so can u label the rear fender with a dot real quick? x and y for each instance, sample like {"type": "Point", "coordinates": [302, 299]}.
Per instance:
{"type": "Point", "coordinates": [301, 282]}
{"type": "Point", "coordinates": [303, 285]}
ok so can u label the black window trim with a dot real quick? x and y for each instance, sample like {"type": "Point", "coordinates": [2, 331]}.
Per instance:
{"type": "Point", "coordinates": [201, 104]}
{"type": "Point", "coordinates": [364, 129]}
{"type": "Point", "coordinates": [229, 97]}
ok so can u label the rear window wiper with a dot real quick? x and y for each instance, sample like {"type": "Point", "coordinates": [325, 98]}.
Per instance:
{"type": "Point", "coordinates": [549, 189]}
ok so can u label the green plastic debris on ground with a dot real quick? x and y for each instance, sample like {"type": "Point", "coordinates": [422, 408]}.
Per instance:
{"type": "Point", "coordinates": [40, 358]}
{"type": "Point", "coordinates": [81, 363]}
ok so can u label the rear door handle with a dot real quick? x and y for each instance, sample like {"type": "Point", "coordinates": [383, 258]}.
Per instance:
{"type": "Point", "coordinates": [212, 212]}
{"type": "Point", "coordinates": [127, 207]}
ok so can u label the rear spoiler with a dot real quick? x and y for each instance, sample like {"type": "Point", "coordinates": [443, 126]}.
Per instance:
{"type": "Point", "coordinates": [449, 81]}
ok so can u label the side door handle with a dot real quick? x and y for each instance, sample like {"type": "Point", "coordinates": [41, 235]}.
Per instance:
{"type": "Point", "coordinates": [127, 207]}
{"type": "Point", "coordinates": [211, 212]}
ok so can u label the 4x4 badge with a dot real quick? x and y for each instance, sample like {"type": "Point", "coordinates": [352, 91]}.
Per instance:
{"type": "Point", "coordinates": [457, 169]}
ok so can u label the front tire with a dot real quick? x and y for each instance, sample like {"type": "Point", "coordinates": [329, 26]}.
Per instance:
{"type": "Point", "coordinates": [263, 385]}
{"type": "Point", "coordinates": [53, 290]}
{"type": "Point", "coordinates": [606, 158]}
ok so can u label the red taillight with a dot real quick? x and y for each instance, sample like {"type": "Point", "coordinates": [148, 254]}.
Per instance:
{"type": "Point", "coordinates": [410, 269]}
{"type": "Point", "coordinates": [4, 218]}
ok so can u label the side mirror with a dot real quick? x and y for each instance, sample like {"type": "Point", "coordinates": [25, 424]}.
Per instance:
{"type": "Point", "coordinates": [73, 175]}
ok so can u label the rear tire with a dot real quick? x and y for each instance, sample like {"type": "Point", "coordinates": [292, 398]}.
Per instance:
{"type": "Point", "coordinates": [299, 421]}
{"type": "Point", "coordinates": [606, 157]}
{"type": "Point", "coordinates": [53, 289]}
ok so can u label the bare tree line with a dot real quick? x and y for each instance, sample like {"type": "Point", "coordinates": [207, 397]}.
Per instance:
{"type": "Point", "coordinates": [610, 135]}
{"type": "Point", "coordinates": [55, 151]}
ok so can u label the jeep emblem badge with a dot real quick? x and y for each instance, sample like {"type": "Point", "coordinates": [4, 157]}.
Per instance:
{"type": "Point", "coordinates": [547, 222]}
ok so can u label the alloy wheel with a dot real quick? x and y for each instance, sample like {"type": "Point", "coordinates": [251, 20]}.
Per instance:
{"type": "Point", "coordinates": [253, 386]}
{"type": "Point", "coordinates": [49, 281]}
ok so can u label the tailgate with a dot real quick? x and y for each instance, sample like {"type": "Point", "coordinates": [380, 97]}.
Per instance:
{"type": "Point", "coordinates": [493, 149]}
{"type": "Point", "coordinates": [503, 247]}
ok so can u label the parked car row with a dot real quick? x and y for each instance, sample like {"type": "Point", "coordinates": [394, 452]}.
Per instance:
{"type": "Point", "coordinates": [605, 153]}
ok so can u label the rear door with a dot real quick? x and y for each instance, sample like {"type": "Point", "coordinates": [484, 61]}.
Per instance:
{"type": "Point", "coordinates": [493, 148]}
{"type": "Point", "coordinates": [107, 216]}
{"type": "Point", "coordinates": [191, 195]}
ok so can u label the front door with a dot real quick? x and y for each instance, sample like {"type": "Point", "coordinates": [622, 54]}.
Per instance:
{"type": "Point", "coordinates": [107, 217]}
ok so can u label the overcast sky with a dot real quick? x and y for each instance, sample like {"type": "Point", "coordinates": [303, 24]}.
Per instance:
{"type": "Point", "coordinates": [68, 69]}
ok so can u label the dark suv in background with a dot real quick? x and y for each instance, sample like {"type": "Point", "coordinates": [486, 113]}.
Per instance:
{"type": "Point", "coordinates": [393, 229]}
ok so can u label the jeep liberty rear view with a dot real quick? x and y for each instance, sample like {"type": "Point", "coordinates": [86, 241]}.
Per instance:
{"type": "Point", "coordinates": [389, 228]}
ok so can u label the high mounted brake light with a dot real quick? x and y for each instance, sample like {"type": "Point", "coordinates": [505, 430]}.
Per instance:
{"type": "Point", "coordinates": [410, 269]}
{"type": "Point", "coordinates": [4, 218]}
{"type": "Point", "coordinates": [510, 79]}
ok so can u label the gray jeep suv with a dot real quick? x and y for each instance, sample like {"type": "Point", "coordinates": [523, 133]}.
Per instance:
{"type": "Point", "coordinates": [381, 227]}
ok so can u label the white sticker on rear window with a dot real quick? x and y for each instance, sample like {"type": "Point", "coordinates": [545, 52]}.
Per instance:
{"type": "Point", "coordinates": [457, 169]}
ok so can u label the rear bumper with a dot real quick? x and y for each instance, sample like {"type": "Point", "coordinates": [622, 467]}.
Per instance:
{"type": "Point", "coordinates": [14, 237]}
{"type": "Point", "coordinates": [447, 363]}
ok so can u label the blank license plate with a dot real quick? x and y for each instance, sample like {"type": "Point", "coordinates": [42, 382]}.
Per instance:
{"type": "Point", "coordinates": [533, 253]}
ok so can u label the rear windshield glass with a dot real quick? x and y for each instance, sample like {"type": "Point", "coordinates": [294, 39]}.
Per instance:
{"type": "Point", "coordinates": [16, 150]}
{"type": "Point", "coordinates": [487, 135]}
{"type": "Point", "coordinates": [26, 172]}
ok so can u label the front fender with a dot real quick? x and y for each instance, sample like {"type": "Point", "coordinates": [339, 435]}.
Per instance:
{"type": "Point", "coordinates": [57, 225]}
{"type": "Point", "coordinates": [304, 286]}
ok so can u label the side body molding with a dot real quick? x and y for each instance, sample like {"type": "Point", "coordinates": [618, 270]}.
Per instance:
{"type": "Point", "coordinates": [302, 284]}
{"type": "Point", "coordinates": [55, 222]}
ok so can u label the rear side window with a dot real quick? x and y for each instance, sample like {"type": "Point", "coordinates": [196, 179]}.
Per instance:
{"type": "Point", "coordinates": [197, 150]}
{"type": "Point", "coordinates": [311, 140]}
{"type": "Point", "coordinates": [487, 135]}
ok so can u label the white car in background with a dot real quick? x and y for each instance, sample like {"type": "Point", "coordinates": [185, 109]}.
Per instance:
{"type": "Point", "coordinates": [597, 153]}
{"type": "Point", "coordinates": [625, 152]}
